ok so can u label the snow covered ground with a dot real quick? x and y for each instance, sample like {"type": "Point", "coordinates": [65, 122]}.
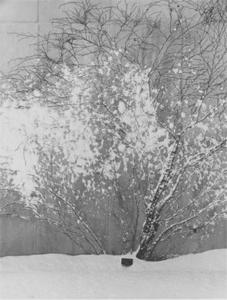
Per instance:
{"type": "Point", "coordinates": [62, 276]}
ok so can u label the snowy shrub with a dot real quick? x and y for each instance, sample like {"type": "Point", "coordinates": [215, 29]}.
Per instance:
{"type": "Point", "coordinates": [105, 135]}
{"type": "Point", "coordinates": [140, 122]}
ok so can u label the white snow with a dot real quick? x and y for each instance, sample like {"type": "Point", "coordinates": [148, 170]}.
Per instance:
{"type": "Point", "coordinates": [63, 276]}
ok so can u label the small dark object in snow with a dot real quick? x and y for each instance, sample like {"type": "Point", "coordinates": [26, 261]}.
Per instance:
{"type": "Point", "coordinates": [126, 262]}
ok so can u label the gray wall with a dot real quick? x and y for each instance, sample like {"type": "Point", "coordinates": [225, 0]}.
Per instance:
{"type": "Point", "coordinates": [22, 237]}
{"type": "Point", "coordinates": [23, 16]}
{"type": "Point", "coordinates": [28, 16]}
{"type": "Point", "coordinates": [194, 242]}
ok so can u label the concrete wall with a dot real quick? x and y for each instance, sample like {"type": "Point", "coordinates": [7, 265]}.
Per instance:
{"type": "Point", "coordinates": [23, 17]}
{"type": "Point", "coordinates": [194, 242]}
{"type": "Point", "coordinates": [28, 17]}
{"type": "Point", "coordinates": [22, 237]}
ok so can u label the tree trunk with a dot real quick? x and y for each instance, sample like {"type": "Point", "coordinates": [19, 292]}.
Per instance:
{"type": "Point", "coordinates": [149, 231]}
{"type": "Point", "coordinates": [143, 251]}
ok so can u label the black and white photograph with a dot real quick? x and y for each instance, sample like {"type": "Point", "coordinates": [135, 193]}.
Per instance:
{"type": "Point", "coordinates": [113, 149]}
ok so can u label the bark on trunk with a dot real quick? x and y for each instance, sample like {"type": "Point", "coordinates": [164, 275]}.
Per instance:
{"type": "Point", "coordinates": [144, 251]}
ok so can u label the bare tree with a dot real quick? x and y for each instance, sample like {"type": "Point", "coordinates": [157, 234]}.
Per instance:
{"type": "Point", "coordinates": [182, 44]}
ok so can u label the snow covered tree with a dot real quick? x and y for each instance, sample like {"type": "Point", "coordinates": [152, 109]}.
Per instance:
{"type": "Point", "coordinates": [90, 148]}
{"type": "Point", "coordinates": [139, 93]}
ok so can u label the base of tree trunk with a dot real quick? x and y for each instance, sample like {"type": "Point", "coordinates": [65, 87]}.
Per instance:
{"type": "Point", "coordinates": [144, 255]}
{"type": "Point", "coordinates": [140, 255]}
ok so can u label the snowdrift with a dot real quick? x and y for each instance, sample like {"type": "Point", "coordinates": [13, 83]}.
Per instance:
{"type": "Point", "coordinates": [62, 276]}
